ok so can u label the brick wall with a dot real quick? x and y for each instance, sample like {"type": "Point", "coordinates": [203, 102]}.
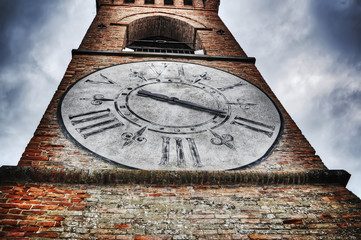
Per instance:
{"type": "Point", "coordinates": [210, 5]}
{"type": "Point", "coordinates": [161, 26]}
{"type": "Point", "coordinates": [178, 212]}
{"type": "Point", "coordinates": [120, 19]}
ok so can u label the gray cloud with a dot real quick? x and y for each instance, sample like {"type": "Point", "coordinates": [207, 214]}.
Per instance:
{"type": "Point", "coordinates": [309, 53]}
{"type": "Point", "coordinates": [36, 38]}
{"type": "Point", "coordinates": [338, 26]}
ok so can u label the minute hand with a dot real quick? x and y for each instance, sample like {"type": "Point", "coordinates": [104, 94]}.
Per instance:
{"type": "Point", "coordinates": [174, 100]}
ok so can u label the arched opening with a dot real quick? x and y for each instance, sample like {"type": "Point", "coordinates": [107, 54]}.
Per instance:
{"type": "Point", "coordinates": [160, 44]}
{"type": "Point", "coordinates": [161, 34]}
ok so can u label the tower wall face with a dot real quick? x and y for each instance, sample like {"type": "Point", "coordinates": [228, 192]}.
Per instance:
{"type": "Point", "coordinates": [51, 148]}
{"type": "Point", "coordinates": [59, 190]}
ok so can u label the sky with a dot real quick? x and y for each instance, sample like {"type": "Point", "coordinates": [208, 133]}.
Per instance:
{"type": "Point", "coordinates": [308, 51]}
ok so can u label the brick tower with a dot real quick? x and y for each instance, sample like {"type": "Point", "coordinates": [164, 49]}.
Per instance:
{"type": "Point", "coordinates": [163, 128]}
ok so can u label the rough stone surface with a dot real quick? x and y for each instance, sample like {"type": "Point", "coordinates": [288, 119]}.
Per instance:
{"type": "Point", "coordinates": [184, 212]}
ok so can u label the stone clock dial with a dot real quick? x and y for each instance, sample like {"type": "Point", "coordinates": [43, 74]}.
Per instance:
{"type": "Point", "coordinates": [170, 115]}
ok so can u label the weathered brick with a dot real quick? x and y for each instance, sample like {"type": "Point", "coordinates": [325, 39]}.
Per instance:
{"type": "Point", "coordinates": [42, 235]}
{"type": "Point", "coordinates": [15, 234]}
{"type": "Point", "coordinates": [8, 222]}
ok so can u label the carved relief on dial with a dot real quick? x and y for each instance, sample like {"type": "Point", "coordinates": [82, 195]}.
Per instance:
{"type": "Point", "coordinates": [170, 115]}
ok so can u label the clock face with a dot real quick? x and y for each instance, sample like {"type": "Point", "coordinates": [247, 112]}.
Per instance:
{"type": "Point", "coordinates": [170, 116]}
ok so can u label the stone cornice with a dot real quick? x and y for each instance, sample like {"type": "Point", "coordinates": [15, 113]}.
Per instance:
{"type": "Point", "coordinates": [171, 178]}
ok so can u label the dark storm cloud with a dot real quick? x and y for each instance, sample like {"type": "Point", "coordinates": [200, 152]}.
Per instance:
{"type": "Point", "coordinates": [36, 38]}
{"type": "Point", "coordinates": [309, 53]}
{"type": "Point", "coordinates": [19, 19]}
{"type": "Point", "coordinates": [338, 25]}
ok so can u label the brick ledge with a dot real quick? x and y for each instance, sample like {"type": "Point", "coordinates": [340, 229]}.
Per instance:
{"type": "Point", "coordinates": [251, 60]}
{"type": "Point", "coordinates": [171, 178]}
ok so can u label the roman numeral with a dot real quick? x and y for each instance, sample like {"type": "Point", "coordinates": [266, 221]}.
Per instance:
{"type": "Point", "coordinates": [139, 75]}
{"type": "Point", "coordinates": [231, 86]}
{"type": "Point", "coordinates": [181, 73]}
{"type": "Point", "coordinates": [181, 160]}
{"type": "Point", "coordinates": [180, 152]}
{"type": "Point", "coordinates": [158, 70]}
{"type": "Point", "coordinates": [165, 151]}
{"type": "Point", "coordinates": [200, 77]}
{"type": "Point", "coordinates": [254, 125]}
{"type": "Point", "coordinates": [105, 80]}
{"type": "Point", "coordinates": [94, 122]}
{"type": "Point", "coordinates": [194, 152]}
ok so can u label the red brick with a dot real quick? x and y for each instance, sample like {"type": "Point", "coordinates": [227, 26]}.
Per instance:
{"type": "Point", "coordinates": [155, 194]}
{"type": "Point", "coordinates": [29, 229]}
{"type": "Point", "coordinates": [4, 210]}
{"type": "Point", "coordinates": [76, 208]}
{"type": "Point", "coordinates": [45, 207]}
{"type": "Point", "coordinates": [8, 222]}
{"type": "Point", "coordinates": [29, 223]}
{"type": "Point", "coordinates": [15, 211]}
{"type": "Point", "coordinates": [16, 234]}
{"type": "Point", "coordinates": [28, 197]}
{"type": "Point", "coordinates": [123, 226]}
{"type": "Point", "coordinates": [146, 237]}
{"type": "Point", "coordinates": [45, 224]}
{"type": "Point", "coordinates": [6, 205]}
{"type": "Point", "coordinates": [13, 196]}
{"type": "Point", "coordinates": [12, 216]}
{"type": "Point", "coordinates": [34, 212]}
{"type": "Point", "coordinates": [42, 235]}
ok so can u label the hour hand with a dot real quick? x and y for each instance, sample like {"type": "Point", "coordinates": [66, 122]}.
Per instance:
{"type": "Point", "coordinates": [180, 102]}
{"type": "Point", "coordinates": [156, 96]}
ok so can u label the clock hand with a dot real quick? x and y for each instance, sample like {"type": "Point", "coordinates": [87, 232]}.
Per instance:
{"type": "Point", "coordinates": [174, 100]}
{"type": "Point", "coordinates": [100, 97]}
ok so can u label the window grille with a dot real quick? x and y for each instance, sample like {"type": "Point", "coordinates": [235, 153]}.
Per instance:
{"type": "Point", "coordinates": [149, 1]}
{"type": "Point", "coordinates": [160, 45]}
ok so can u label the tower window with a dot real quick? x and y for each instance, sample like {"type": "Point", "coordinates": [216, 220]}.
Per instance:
{"type": "Point", "coordinates": [128, 1]}
{"type": "Point", "coordinates": [188, 2]}
{"type": "Point", "coordinates": [149, 1]}
{"type": "Point", "coordinates": [168, 2]}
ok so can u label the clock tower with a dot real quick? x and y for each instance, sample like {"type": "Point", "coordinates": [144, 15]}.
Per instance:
{"type": "Point", "coordinates": [163, 128]}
